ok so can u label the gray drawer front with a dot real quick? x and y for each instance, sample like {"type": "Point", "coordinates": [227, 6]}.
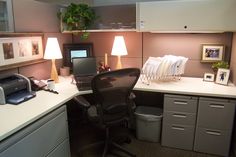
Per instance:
{"type": "Point", "coordinates": [215, 114]}
{"type": "Point", "coordinates": [180, 103]}
{"type": "Point", "coordinates": [179, 118]}
{"type": "Point", "coordinates": [38, 140]}
{"type": "Point", "coordinates": [212, 141]}
{"type": "Point", "coordinates": [63, 150]}
{"type": "Point", "coordinates": [178, 136]}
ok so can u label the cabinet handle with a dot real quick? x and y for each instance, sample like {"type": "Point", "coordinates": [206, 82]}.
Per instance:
{"type": "Point", "coordinates": [177, 102]}
{"type": "Point", "coordinates": [210, 132]}
{"type": "Point", "coordinates": [217, 106]}
{"type": "Point", "coordinates": [178, 128]}
{"type": "Point", "coordinates": [179, 115]}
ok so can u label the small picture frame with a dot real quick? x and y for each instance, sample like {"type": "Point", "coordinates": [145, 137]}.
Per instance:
{"type": "Point", "coordinates": [212, 52]}
{"type": "Point", "coordinates": [222, 76]}
{"type": "Point", "coordinates": [209, 77]}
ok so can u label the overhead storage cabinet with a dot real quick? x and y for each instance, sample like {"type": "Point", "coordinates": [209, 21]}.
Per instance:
{"type": "Point", "coordinates": [186, 15]}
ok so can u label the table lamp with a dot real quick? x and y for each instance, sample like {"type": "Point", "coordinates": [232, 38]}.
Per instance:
{"type": "Point", "coordinates": [119, 49]}
{"type": "Point", "coordinates": [53, 52]}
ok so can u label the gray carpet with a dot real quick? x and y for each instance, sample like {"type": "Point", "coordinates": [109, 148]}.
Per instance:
{"type": "Point", "coordinates": [138, 147]}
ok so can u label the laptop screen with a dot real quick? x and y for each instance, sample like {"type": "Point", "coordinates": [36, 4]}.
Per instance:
{"type": "Point", "coordinates": [84, 66]}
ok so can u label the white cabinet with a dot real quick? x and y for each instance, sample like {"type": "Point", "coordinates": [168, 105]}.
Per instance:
{"type": "Point", "coordinates": [6, 16]}
{"type": "Point", "coordinates": [47, 136]}
{"type": "Point", "coordinates": [214, 126]}
{"type": "Point", "coordinates": [179, 121]}
{"type": "Point", "coordinates": [201, 124]}
{"type": "Point", "coordinates": [186, 16]}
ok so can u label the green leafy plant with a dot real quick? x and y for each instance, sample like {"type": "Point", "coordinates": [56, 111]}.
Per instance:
{"type": "Point", "coordinates": [220, 64]}
{"type": "Point", "coordinates": [78, 17]}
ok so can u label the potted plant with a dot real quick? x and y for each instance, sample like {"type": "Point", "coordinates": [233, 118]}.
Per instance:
{"type": "Point", "coordinates": [221, 64]}
{"type": "Point", "coordinates": [78, 17]}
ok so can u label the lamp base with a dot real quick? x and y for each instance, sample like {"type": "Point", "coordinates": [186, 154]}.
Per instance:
{"type": "Point", "coordinates": [118, 65]}
{"type": "Point", "coordinates": [54, 75]}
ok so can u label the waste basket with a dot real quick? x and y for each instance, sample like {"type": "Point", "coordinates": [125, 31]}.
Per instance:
{"type": "Point", "coordinates": [148, 123]}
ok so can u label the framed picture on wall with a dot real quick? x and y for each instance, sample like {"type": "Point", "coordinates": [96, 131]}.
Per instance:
{"type": "Point", "coordinates": [212, 52]}
{"type": "Point", "coordinates": [18, 49]}
{"type": "Point", "coordinates": [222, 76]}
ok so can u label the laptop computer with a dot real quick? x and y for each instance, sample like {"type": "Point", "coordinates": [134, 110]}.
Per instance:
{"type": "Point", "coordinates": [84, 69]}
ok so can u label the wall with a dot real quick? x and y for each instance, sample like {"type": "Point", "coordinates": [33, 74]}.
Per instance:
{"type": "Point", "coordinates": [233, 60]}
{"type": "Point", "coordinates": [233, 78]}
{"type": "Point", "coordinates": [102, 43]}
{"type": "Point", "coordinates": [32, 16]}
{"type": "Point", "coordinates": [188, 45]}
{"type": "Point", "coordinates": [157, 45]}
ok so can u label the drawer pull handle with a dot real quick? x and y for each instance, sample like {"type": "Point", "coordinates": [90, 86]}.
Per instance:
{"type": "Point", "coordinates": [216, 133]}
{"type": "Point", "coordinates": [179, 115]}
{"type": "Point", "coordinates": [178, 128]}
{"type": "Point", "coordinates": [180, 102]}
{"type": "Point", "coordinates": [217, 106]}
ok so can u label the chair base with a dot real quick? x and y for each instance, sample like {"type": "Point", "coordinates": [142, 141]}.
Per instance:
{"type": "Point", "coordinates": [109, 143]}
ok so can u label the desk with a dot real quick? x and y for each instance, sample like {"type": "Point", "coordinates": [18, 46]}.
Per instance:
{"type": "Point", "coordinates": [189, 86]}
{"type": "Point", "coordinates": [15, 117]}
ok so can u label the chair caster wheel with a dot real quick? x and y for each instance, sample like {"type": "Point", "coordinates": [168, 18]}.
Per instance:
{"type": "Point", "coordinates": [128, 140]}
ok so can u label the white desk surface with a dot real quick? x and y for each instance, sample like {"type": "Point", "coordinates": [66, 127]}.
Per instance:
{"type": "Point", "coordinates": [189, 86]}
{"type": "Point", "coordinates": [15, 117]}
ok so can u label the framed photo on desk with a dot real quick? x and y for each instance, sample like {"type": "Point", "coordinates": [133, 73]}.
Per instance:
{"type": "Point", "coordinates": [222, 76]}
{"type": "Point", "coordinates": [209, 77]}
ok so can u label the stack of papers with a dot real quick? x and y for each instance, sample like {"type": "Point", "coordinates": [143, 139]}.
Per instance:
{"type": "Point", "coordinates": [168, 66]}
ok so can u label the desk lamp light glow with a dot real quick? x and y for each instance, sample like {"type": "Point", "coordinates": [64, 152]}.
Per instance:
{"type": "Point", "coordinates": [119, 49]}
{"type": "Point", "coordinates": [53, 52]}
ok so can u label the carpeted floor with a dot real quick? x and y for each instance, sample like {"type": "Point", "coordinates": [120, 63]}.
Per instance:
{"type": "Point", "coordinates": [81, 137]}
{"type": "Point", "coordinates": [83, 134]}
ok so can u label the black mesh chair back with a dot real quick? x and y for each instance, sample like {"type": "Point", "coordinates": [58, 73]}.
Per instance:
{"type": "Point", "coordinates": [112, 90]}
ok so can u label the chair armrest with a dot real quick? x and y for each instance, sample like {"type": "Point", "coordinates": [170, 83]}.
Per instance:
{"type": "Point", "coordinates": [82, 101]}
{"type": "Point", "coordinates": [132, 96]}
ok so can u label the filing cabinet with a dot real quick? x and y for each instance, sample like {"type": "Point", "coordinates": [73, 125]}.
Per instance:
{"type": "Point", "coordinates": [46, 137]}
{"type": "Point", "coordinates": [214, 126]}
{"type": "Point", "coordinates": [179, 119]}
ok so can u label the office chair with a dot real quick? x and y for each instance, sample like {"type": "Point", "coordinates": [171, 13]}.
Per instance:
{"type": "Point", "coordinates": [113, 102]}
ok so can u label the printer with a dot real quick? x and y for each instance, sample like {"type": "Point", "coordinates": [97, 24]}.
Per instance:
{"type": "Point", "coordinates": [14, 89]}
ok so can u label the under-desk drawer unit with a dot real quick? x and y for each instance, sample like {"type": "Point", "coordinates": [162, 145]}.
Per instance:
{"type": "Point", "coordinates": [178, 136]}
{"type": "Point", "coordinates": [183, 118]}
{"type": "Point", "coordinates": [216, 113]}
{"type": "Point", "coordinates": [62, 150]}
{"type": "Point", "coordinates": [212, 141]}
{"type": "Point", "coordinates": [39, 138]}
{"type": "Point", "coordinates": [180, 103]}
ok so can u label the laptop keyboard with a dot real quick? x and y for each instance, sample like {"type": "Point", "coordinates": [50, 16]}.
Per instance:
{"type": "Point", "coordinates": [84, 82]}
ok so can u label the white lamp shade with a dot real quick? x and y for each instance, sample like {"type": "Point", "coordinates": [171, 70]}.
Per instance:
{"type": "Point", "coordinates": [119, 48]}
{"type": "Point", "coordinates": [52, 50]}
